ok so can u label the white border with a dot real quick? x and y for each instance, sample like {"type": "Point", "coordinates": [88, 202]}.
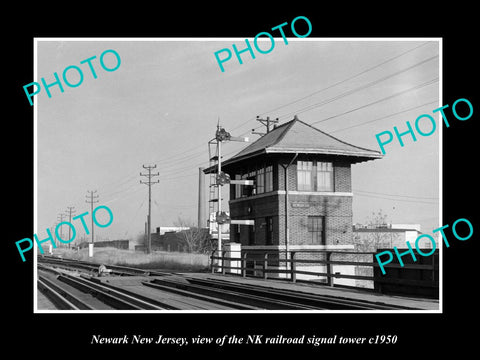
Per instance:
{"type": "Point", "coordinates": [373, 39]}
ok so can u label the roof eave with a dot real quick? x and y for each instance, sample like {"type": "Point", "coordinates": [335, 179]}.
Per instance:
{"type": "Point", "coordinates": [362, 154]}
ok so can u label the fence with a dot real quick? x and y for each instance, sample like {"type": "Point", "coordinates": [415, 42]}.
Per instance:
{"type": "Point", "coordinates": [330, 265]}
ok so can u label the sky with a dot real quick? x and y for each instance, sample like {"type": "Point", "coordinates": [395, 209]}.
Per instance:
{"type": "Point", "coordinates": [161, 107]}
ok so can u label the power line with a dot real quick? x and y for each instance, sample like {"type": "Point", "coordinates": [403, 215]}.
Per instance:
{"type": "Point", "coordinates": [362, 87]}
{"type": "Point", "coordinates": [416, 87]}
{"type": "Point", "coordinates": [387, 116]}
{"type": "Point", "coordinates": [347, 79]}
{"type": "Point", "coordinates": [404, 200]}
{"type": "Point", "coordinates": [407, 196]}
{"type": "Point", "coordinates": [333, 85]}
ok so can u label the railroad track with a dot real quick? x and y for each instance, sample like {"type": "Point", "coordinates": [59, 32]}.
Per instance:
{"type": "Point", "coordinates": [92, 267]}
{"type": "Point", "coordinates": [120, 299]}
{"type": "Point", "coordinates": [159, 290]}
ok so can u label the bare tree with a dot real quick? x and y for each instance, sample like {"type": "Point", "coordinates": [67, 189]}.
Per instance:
{"type": "Point", "coordinates": [376, 238]}
{"type": "Point", "coordinates": [195, 239]}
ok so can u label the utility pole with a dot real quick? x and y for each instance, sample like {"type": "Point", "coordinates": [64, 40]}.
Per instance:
{"type": "Point", "coordinates": [202, 221]}
{"type": "Point", "coordinates": [149, 183]}
{"type": "Point", "coordinates": [91, 199]}
{"type": "Point", "coordinates": [61, 215]}
{"type": "Point", "coordinates": [266, 122]}
{"type": "Point", "coordinates": [53, 233]}
{"type": "Point", "coordinates": [70, 210]}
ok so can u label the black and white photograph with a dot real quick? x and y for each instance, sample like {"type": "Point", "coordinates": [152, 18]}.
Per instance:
{"type": "Point", "coordinates": [234, 190]}
{"type": "Point", "coordinates": [217, 182]}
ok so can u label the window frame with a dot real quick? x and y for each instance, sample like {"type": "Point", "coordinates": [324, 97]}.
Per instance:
{"type": "Point", "coordinates": [316, 237]}
{"type": "Point", "coordinates": [330, 174]}
{"type": "Point", "coordinates": [314, 176]}
{"type": "Point", "coordinates": [307, 173]}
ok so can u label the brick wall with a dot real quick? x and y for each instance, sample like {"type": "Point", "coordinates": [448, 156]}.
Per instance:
{"type": "Point", "coordinates": [336, 209]}
{"type": "Point", "coordinates": [342, 177]}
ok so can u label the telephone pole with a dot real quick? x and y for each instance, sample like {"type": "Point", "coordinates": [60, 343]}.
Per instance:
{"type": "Point", "coordinates": [71, 210]}
{"type": "Point", "coordinates": [61, 215]}
{"type": "Point", "coordinates": [149, 183]}
{"type": "Point", "coordinates": [91, 199]}
{"type": "Point", "coordinates": [265, 122]}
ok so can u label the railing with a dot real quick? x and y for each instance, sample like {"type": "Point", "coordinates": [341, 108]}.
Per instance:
{"type": "Point", "coordinates": [254, 262]}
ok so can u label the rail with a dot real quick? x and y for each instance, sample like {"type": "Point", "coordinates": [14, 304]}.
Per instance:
{"type": "Point", "coordinates": [263, 263]}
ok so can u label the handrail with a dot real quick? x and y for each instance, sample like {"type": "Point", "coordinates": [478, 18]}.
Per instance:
{"type": "Point", "coordinates": [269, 265]}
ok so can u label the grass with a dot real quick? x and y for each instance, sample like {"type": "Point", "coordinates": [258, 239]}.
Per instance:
{"type": "Point", "coordinates": [155, 260]}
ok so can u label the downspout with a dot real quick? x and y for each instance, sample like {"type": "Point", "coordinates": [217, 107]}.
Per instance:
{"type": "Point", "coordinates": [287, 229]}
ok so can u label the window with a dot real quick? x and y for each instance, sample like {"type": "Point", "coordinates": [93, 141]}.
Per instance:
{"type": "Point", "coordinates": [238, 188]}
{"type": "Point", "coordinates": [260, 183]}
{"type": "Point", "coordinates": [324, 176]}
{"type": "Point", "coordinates": [269, 178]}
{"type": "Point", "coordinates": [304, 175]}
{"type": "Point", "coordinates": [315, 225]}
{"type": "Point", "coordinates": [252, 176]}
{"type": "Point", "coordinates": [247, 190]}
{"type": "Point", "coordinates": [314, 176]}
{"type": "Point", "coordinates": [269, 230]}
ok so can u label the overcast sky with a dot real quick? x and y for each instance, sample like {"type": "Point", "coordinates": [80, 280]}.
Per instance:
{"type": "Point", "coordinates": [162, 104]}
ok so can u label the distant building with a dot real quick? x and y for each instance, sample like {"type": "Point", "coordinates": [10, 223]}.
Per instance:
{"type": "Point", "coordinates": [368, 238]}
{"type": "Point", "coordinates": [163, 229]}
{"type": "Point", "coordinates": [118, 244]}
{"type": "Point", "coordinates": [174, 238]}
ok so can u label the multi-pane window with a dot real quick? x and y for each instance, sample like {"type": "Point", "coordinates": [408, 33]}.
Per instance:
{"type": "Point", "coordinates": [304, 175]}
{"type": "Point", "coordinates": [263, 177]}
{"type": "Point", "coordinates": [315, 226]}
{"type": "Point", "coordinates": [314, 176]}
{"type": "Point", "coordinates": [238, 188]}
{"type": "Point", "coordinates": [260, 181]}
{"type": "Point", "coordinates": [269, 178]}
{"type": "Point", "coordinates": [324, 176]}
{"type": "Point", "coordinates": [248, 190]}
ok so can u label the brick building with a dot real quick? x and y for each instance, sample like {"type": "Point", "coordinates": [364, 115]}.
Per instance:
{"type": "Point", "coordinates": [299, 165]}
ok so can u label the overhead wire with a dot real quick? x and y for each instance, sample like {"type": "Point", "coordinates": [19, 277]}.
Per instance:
{"type": "Point", "coordinates": [334, 84]}
{"type": "Point", "coordinates": [416, 87]}
{"type": "Point", "coordinates": [362, 87]}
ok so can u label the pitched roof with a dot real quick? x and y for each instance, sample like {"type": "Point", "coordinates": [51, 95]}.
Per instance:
{"type": "Point", "coordinates": [296, 136]}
